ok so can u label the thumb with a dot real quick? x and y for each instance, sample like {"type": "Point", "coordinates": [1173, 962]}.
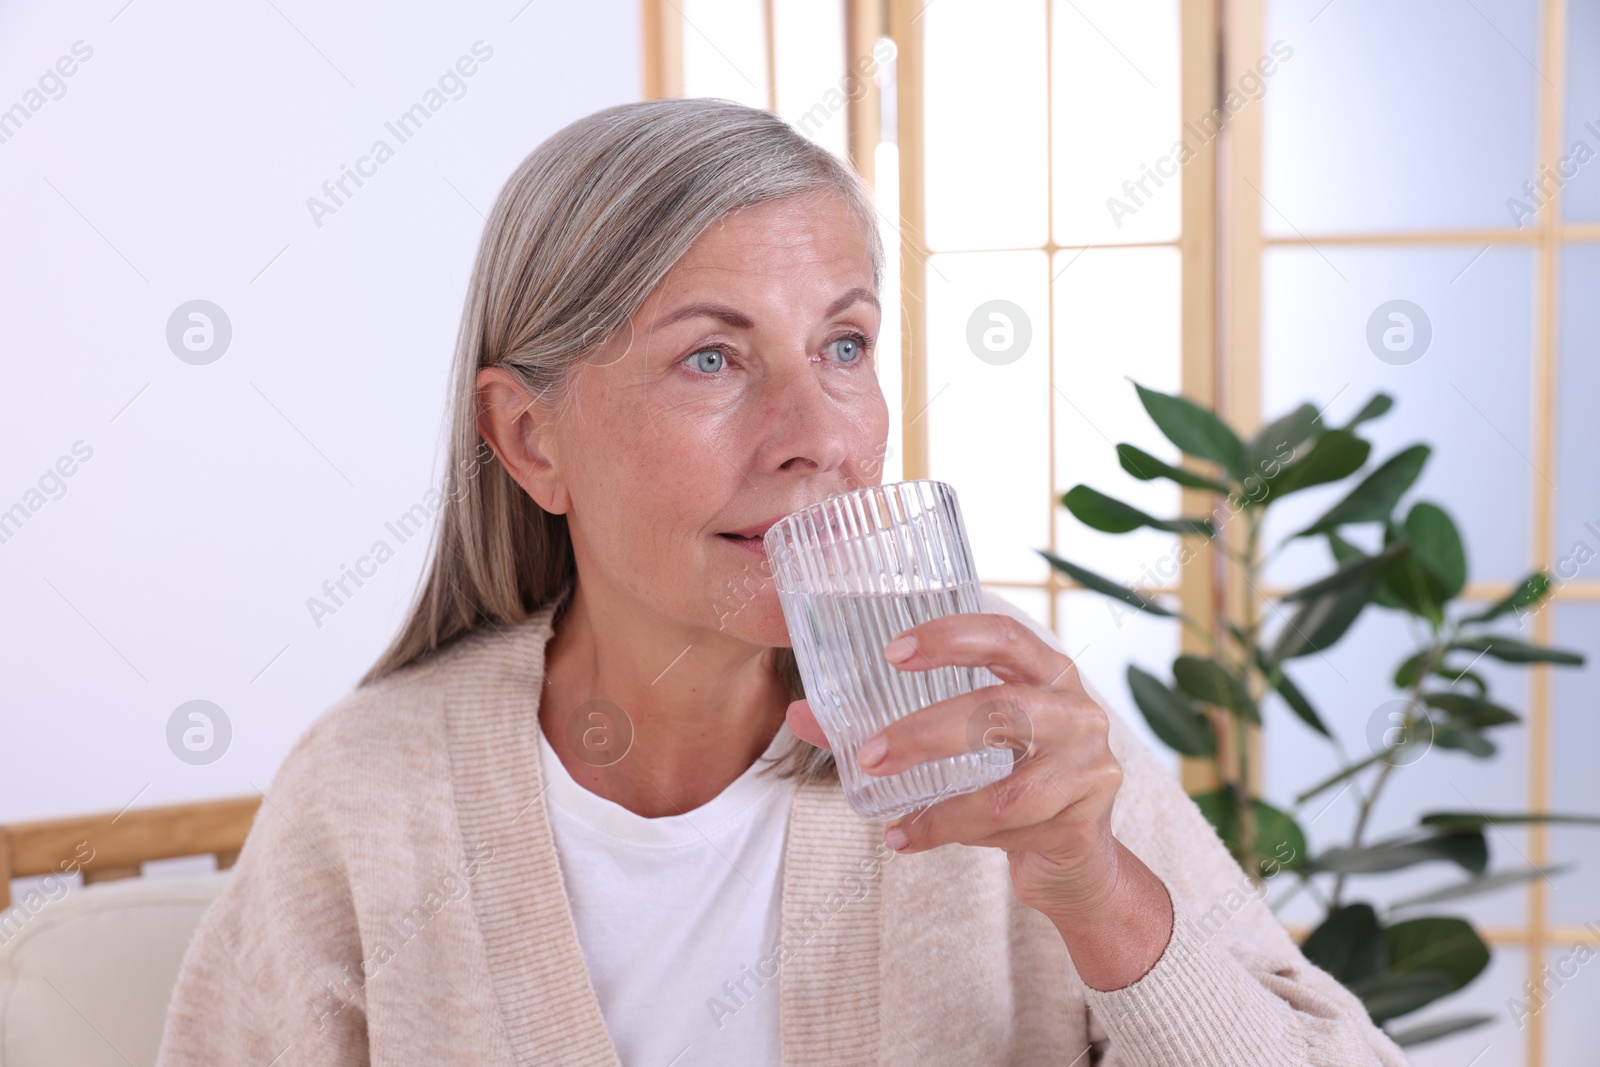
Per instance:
{"type": "Point", "coordinates": [804, 724]}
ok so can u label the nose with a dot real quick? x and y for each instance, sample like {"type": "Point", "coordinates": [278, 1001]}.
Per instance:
{"type": "Point", "coordinates": [803, 428]}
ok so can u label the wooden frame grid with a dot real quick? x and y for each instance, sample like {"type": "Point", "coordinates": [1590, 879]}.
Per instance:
{"type": "Point", "coordinates": [1553, 54]}
{"type": "Point", "coordinates": [1547, 238]}
{"type": "Point", "coordinates": [1195, 247]}
{"type": "Point", "coordinates": [908, 124]}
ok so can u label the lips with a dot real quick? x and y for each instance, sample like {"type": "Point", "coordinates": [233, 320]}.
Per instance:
{"type": "Point", "coordinates": [755, 531]}
{"type": "Point", "coordinates": [753, 546]}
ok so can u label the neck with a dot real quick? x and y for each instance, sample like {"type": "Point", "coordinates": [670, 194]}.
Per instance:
{"type": "Point", "coordinates": [701, 706]}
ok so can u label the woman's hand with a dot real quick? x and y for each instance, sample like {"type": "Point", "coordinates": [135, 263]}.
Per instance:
{"type": "Point", "coordinates": [1051, 814]}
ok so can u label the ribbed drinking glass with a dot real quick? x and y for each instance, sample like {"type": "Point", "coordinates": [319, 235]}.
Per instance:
{"type": "Point", "coordinates": [853, 572]}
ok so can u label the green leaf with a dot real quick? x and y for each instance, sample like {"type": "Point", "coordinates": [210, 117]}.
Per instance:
{"type": "Point", "coordinates": [1349, 944]}
{"type": "Point", "coordinates": [1466, 848]}
{"type": "Point", "coordinates": [1453, 675]}
{"type": "Point", "coordinates": [1408, 586]}
{"type": "Point", "coordinates": [1342, 550]}
{"type": "Point", "coordinates": [1353, 569]}
{"type": "Point", "coordinates": [1178, 724]}
{"type": "Point", "coordinates": [1209, 681]}
{"type": "Point", "coordinates": [1437, 543]}
{"type": "Point", "coordinates": [1276, 444]}
{"type": "Point", "coordinates": [1196, 431]}
{"type": "Point", "coordinates": [1466, 820]}
{"type": "Point", "coordinates": [1105, 586]}
{"type": "Point", "coordinates": [1335, 455]}
{"type": "Point", "coordinates": [1279, 840]}
{"type": "Point", "coordinates": [1473, 711]}
{"type": "Point", "coordinates": [1534, 588]}
{"type": "Point", "coordinates": [1279, 844]}
{"type": "Point", "coordinates": [1405, 675]}
{"type": "Point", "coordinates": [1473, 887]}
{"type": "Point", "coordinates": [1428, 958]}
{"type": "Point", "coordinates": [1468, 739]}
{"type": "Point", "coordinates": [1510, 650]}
{"type": "Point", "coordinates": [1098, 511]}
{"type": "Point", "coordinates": [1437, 943]}
{"type": "Point", "coordinates": [1290, 693]}
{"type": "Point", "coordinates": [1437, 1028]}
{"type": "Point", "coordinates": [1320, 621]}
{"type": "Point", "coordinates": [1093, 508]}
{"type": "Point", "coordinates": [1376, 496]}
{"type": "Point", "coordinates": [1145, 467]}
{"type": "Point", "coordinates": [1221, 809]}
{"type": "Point", "coordinates": [1378, 405]}
{"type": "Point", "coordinates": [1388, 996]}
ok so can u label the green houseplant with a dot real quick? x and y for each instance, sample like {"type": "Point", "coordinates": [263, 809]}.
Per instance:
{"type": "Point", "coordinates": [1395, 958]}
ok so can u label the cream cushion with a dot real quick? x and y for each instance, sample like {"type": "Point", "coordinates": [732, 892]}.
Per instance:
{"type": "Point", "coordinates": [85, 979]}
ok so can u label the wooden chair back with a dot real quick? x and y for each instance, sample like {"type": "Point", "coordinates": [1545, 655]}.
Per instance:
{"type": "Point", "coordinates": [115, 845]}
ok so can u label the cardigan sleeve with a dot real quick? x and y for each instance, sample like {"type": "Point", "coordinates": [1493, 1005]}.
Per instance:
{"type": "Point", "coordinates": [1231, 988]}
{"type": "Point", "coordinates": [273, 973]}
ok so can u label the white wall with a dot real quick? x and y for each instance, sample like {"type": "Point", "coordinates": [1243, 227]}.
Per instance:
{"type": "Point", "coordinates": [174, 164]}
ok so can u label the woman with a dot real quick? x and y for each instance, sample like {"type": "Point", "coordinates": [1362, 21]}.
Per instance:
{"type": "Point", "coordinates": [579, 813]}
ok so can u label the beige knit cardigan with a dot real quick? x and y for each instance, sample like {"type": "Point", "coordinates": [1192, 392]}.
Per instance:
{"type": "Point", "coordinates": [399, 901]}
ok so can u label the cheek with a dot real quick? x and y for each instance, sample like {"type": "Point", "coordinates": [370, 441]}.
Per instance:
{"type": "Point", "coordinates": [647, 489]}
{"type": "Point", "coordinates": [668, 464]}
{"type": "Point", "coordinates": [870, 444]}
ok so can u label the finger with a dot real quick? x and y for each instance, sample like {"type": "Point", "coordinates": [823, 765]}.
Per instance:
{"type": "Point", "coordinates": [1026, 720]}
{"type": "Point", "coordinates": [1018, 809]}
{"type": "Point", "coordinates": [992, 718]}
{"type": "Point", "coordinates": [803, 724]}
{"type": "Point", "coordinates": [999, 642]}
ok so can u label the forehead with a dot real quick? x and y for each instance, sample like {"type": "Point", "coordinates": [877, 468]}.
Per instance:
{"type": "Point", "coordinates": [795, 234]}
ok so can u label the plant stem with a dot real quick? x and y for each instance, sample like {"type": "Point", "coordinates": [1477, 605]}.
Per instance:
{"type": "Point", "coordinates": [1241, 729]}
{"type": "Point", "coordinates": [1413, 706]}
{"type": "Point", "coordinates": [1344, 758]}
{"type": "Point", "coordinates": [1342, 773]}
{"type": "Point", "coordinates": [1194, 627]}
{"type": "Point", "coordinates": [1365, 813]}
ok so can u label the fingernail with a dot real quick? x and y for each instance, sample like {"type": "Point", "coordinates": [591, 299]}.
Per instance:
{"type": "Point", "coordinates": [900, 648]}
{"type": "Point", "coordinates": [872, 752]}
{"type": "Point", "coordinates": [895, 838]}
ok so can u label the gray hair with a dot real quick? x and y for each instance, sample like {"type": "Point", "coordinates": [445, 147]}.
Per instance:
{"type": "Point", "coordinates": [580, 235]}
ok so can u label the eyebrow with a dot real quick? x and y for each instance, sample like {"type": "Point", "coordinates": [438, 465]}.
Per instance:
{"type": "Point", "coordinates": [740, 321]}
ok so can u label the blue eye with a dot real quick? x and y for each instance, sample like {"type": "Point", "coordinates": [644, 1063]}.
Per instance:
{"type": "Point", "coordinates": [709, 360]}
{"type": "Point", "coordinates": [849, 349]}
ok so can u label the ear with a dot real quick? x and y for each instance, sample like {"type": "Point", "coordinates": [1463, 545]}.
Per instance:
{"type": "Point", "coordinates": [520, 430]}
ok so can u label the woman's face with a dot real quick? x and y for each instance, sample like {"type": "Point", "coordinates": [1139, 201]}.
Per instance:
{"type": "Point", "coordinates": [748, 389]}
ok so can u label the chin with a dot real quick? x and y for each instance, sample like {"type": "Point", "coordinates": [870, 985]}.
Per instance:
{"type": "Point", "coordinates": [757, 620]}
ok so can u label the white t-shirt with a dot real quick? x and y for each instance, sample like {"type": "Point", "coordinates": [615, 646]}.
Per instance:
{"type": "Point", "coordinates": [678, 917]}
